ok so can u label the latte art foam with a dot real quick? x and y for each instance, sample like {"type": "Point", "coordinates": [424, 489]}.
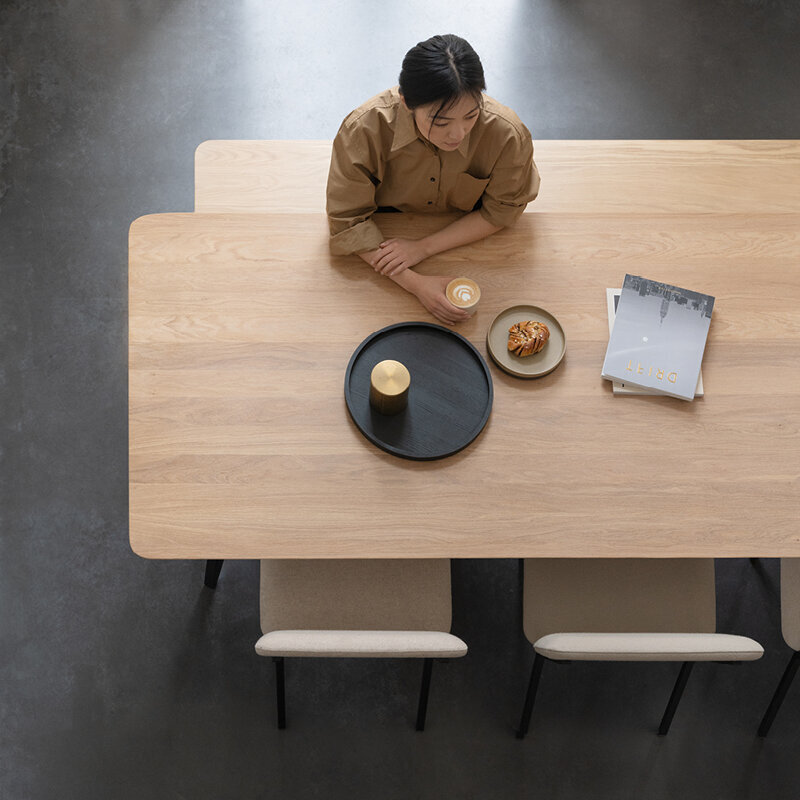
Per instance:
{"type": "Point", "coordinates": [463, 292]}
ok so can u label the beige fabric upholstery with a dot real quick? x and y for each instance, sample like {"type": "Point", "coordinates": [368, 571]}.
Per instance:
{"type": "Point", "coordinates": [361, 644]}
{"type": "Point", "coordinates": [620, 595]}
{"type": "Point", "coordinates": [790, 601]}
{"type": "Point", "coordinates": [357, 608]}
{"type": "Point", "coordinates": [648, 647]}
{"type": "Point", "coordinates": [355, 594]}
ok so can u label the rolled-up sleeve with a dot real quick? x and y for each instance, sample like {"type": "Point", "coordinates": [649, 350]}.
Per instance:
{"type": "Point", "coordinates": [351, 192]}
{"type": "Point", "coordinates": [514, 182]}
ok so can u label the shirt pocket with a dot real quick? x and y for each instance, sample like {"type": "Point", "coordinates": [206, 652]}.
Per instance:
{"type": "Point", "coordinates": [466, 192]}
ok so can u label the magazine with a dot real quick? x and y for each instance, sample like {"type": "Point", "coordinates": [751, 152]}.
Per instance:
{"type": "Point", "coordinates": [658, 337]}
{"type": "Point", "coordinates": [623, 387]}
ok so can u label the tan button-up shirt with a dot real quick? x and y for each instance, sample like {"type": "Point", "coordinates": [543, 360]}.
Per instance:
{"type": "Point", "coordinates": [381, 159]}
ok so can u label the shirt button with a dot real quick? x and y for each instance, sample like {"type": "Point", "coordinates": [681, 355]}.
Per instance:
{"type": "Point", "coordinates": [433, 180]}
{"type": "Point", "coordinates": [430, 202]}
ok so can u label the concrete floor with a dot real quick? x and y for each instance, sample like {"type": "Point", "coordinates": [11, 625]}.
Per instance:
{"type": "Point", "coordinates": [123, 678]}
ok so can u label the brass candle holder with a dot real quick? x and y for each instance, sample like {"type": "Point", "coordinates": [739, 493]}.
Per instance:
{"type": "Point", "coordinates": [388, 387]}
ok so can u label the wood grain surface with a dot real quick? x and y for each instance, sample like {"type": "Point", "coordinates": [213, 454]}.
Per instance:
{"type": "Point", "coordinates": [643, 176]}
{"type": "Point", "coordinates": [241, 328]}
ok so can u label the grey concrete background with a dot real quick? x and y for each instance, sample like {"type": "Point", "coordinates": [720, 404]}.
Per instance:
{"type": "Point", "coordinates": [125, 678]}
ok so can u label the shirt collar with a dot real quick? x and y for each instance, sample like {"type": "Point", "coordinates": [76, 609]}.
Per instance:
{"type": "Point", "coordinates": [463, 148]}
{"type": "Point", "coordinates": [405, 129]}
{"type": "Point", "coordinates": [405, 132]}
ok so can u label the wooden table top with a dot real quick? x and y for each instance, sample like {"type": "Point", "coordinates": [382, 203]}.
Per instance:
{"type": "Point", "coordinates": [607, 176]}
{"type": "Point", "coordinates": [242, 326]}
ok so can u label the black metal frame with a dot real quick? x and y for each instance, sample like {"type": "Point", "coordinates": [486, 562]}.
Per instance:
{"type": "Point", "coordinates": [280, 687]}
{"type": "Point", "coordinates": [213, 568]}
{"type": "Point", "coordinates": [780, 693]}
{"type": "Point", "coordinates": [530, 696]}
{"type": "Point", "coordinates": [675, 697]}
{"type": "Point", "coordinates": [422, 707]}
{"type": "Point", "coordinates": [536, 674]}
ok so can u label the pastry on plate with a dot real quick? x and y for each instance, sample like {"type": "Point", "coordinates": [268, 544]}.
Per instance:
{"type": "Point", "coordinates": [528, 337]}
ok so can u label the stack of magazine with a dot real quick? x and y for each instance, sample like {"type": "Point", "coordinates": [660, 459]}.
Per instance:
{"type": "Point", "coordinates": [657, 337]}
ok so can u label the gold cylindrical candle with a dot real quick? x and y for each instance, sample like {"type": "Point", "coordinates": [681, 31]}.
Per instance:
{"type": "Point", "coordinates": [388, 387]}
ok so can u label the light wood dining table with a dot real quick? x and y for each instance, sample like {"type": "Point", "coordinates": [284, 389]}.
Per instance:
{"type": "Point", "coordinates": [242, 326]}
{"type": "Point", "coordinates": [727, 176]}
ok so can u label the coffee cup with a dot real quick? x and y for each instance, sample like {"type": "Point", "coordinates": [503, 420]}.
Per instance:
{"type": "Point", "coordinates": [464, 293]}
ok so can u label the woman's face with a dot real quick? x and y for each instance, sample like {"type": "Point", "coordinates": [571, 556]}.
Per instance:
{"type": "Point", "coordinates": [447, 129]}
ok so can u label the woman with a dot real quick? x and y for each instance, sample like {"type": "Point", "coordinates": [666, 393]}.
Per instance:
{"type": "Point", "coordinates": [436, 143]}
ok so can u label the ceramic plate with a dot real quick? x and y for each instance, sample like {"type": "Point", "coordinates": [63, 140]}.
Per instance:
{"type": "Point", "coordinates": [525, 366]}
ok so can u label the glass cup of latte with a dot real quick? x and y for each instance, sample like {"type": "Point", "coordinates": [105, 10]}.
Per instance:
{"type": "Point", "coordinates": [464, 293]}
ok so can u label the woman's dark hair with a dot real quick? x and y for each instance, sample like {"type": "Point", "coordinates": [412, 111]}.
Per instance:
{"type": "Point", "coordinates": [441, 69]}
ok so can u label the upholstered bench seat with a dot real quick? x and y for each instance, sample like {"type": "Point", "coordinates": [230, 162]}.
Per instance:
{"type": "Point", "coordinates": [648, 647]}
{"type": "Point", "coordinates": [361, 644]}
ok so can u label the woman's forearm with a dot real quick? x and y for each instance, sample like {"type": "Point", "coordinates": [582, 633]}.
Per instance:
{"type": "Point", "coordinates": [430, 291]}
{"type": "Point", "coordinates": [408, 280]}
{"type": "Point", "coordinates": [470, 228]}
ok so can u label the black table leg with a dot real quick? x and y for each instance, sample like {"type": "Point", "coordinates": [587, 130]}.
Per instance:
{"type": "Point", "coordinates": [213, 568]}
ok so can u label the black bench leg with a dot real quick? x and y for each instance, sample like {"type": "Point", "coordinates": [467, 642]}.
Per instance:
{"type": "Point", "coordinates": [675, 697]}
{"type": "Point", "coordinates": [530, 696]}
{"type": "Point", "coordinates": [280, 689]}
{"type": "Point", "coordinates": [422, 708]}
{"type": "Point", "coordinates": [780, 693]}
{"type": "Point", "coordinates": [213, 568]}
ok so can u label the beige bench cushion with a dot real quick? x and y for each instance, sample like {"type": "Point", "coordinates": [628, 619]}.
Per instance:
{"type": "Point", "coordinates": [361, 644]}
{"type": "Point", "coordinates": [648, 647]}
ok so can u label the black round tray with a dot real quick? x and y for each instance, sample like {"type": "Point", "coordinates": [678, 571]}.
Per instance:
{"type": "Point", "coordinates": [449, 400]}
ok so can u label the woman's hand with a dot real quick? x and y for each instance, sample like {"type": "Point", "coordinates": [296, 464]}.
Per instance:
{"type": "Point", "coordinates": [430, 291]}
{"type": "Point", "coordinates": [395, 255]}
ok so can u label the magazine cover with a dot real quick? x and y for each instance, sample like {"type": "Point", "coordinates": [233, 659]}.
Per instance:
{"type": "Point", "coordinates": [623, 387]}
{"type": "Point", "coordinates": [658, 337]}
